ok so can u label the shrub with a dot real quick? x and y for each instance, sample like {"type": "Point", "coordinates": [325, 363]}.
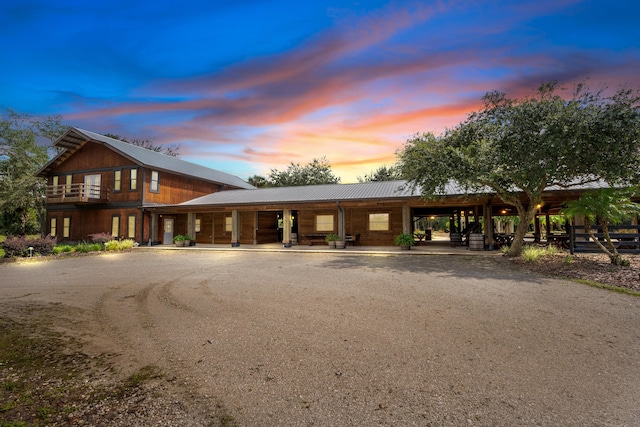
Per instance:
{"type": "Point", "coordinates": [101, 237]}
{"type": "Point", "coordinates": [58, 249]}
{"type": "Point", "coordinates": [534, 253]}
{"type": "Point", "coordinates": [115, 245]}
{"type": "Point", "coordinates": [85, 247]}
{"type": "Point", "coordinates": [19, 246]}
{"type": "Point", "coordinates": [404, 239]}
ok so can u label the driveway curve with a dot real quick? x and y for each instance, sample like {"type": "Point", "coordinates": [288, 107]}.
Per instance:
{"type": "Point", "coordinates": [281, 338]}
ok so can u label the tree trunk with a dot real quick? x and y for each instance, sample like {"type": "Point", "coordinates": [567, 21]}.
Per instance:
{"type": "Point", "coordinates": [525, 217]}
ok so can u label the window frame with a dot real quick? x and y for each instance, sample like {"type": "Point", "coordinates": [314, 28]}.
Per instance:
{"type": "Point", "coordinates": [198, 225]}
{"type": "Point", "coordinates": [53, 226]}
{"type": "Point", "coordinates": [55, 182]}
{"type": "Point", "coordinates": [325, 228]}
{"type": "Point", "coordinates": [386, 222]}
{"type": "Point", "coordinates": [228, 224]}
{"type": "Point", "coordinates": [117, 180]}
{"type": "Point", "coordinates": [154, 183]}
{"type": "Point", "coordinates": [133, 179]}
{"type": "Point", "coordinates": [68, 182]}
{"type": "Point", "coordinates": [66, 227]}
{"type": "Point", "coordinates": [115, 218]}
{"type": "Point", "coordinates": [132, 220]}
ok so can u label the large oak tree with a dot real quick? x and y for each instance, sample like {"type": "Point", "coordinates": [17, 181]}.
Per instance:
{"type": "Point", "coordinates": [516, 148]}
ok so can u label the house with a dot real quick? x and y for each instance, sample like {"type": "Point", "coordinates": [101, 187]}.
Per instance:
{"type": "Point", "coordinates": [98, 184]}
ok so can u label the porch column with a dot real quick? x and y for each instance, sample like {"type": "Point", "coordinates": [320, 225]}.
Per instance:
{"type": "Point", "coordinates": [488, 225]}
{"type": "Point", "coordinates": [191, 224]}
{"type": "Point", "coordinates": [235, 227]}
{"type": "Point", "coordinates": [341, 228]}
{"type": "Point", "coordinates": [255, 228]}
{"type": "Point", "coordinates": [406, 219]}
{"type": "Point", "coordinates": [153, 231]}
{"type": "Point", "coordinates": [286, 226]}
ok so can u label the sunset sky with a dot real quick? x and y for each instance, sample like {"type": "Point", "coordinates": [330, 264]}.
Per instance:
{"type": "Point", "coordinates": [245, 86]}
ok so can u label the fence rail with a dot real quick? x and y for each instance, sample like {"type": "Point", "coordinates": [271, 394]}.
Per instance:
{"type": "Point", "coordinates": [76, 193]}
{"type": "Point", "coordinates": [625, 238]}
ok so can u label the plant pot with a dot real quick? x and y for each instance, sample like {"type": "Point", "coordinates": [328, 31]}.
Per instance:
{"type": "Point", "coordinates": [187, 242]}
{"type": "Point", "coordinates": [332, 244]}
{"type": "Point", "coordinates": [405, 247]}
{"type": "Point", "coordinates": [340, 244]}
{"type": "Point", "coordinates": [179, 243]}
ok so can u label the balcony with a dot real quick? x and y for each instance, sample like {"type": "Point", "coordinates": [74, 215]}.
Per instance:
{"type": "Point", "coordinates": [77, 193]}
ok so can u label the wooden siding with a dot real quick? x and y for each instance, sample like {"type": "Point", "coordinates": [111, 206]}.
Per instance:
{"type": "Point", "coordinates": [267, 228]}
{"type": "Point", "coordinates": [93, 156]}
{"type": "Point", "coordinates": [176, 188]}
{"type": "Point", "coordinates": [99, 222]}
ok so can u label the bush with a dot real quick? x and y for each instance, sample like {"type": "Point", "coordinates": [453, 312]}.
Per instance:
{"type": "Point", "coordinates": [59, 249]}
{"type": "Point", "coordinates": [85, 247]}
{"type": "Point", "coordinates": [115, 245]}
{"type": "Point", "coordinates": [534, 253]}
{"type": "Point", "coordinates": [101, 237]}
{"type": "Point", "coordinates": [19, 246]}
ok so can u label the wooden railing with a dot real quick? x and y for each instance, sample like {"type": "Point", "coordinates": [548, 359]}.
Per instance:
{"type": "Point", "coordinates": [77, 193]}
{"type": "Point", "coordinates": [625, 238]}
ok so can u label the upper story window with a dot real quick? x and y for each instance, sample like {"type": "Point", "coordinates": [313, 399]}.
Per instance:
{"type": "Point", "coordinates": [67, 185]}
{"type": "Point", "coordinates": [133, 180]}
{"type": "Point", "coordinates": [117, 180]}
{"type": "Point", "coordinates": [379, 222]}
{"type": "Point", "coordinates": [55, 182]}
{"type": "Point", "coordinates": [155, 182]}
{"type": "Point", "coordinates": [324, 222]}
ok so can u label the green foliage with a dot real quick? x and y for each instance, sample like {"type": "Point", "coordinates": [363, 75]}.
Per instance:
{"type": "Point", "coordinates": [332, 237]}
{"type": "Point", "coordinates": [119, 245]}
{"type": "Point", "coordinates": [22, 154]}
{"type": "Point", "coordinates": [182, 238]}
{"type": "Point", "coordinates": [258, 181]}
{"type": "Point", "coordinates": [85, 247]}
{"type": "Point", "coordinates": [404, 239]}
{"type": "Point", "coordinates": [59, 249]}
{"type": "Point", "coordinates": [608, 206]}
{"type": "Point", "coordinates": [535, 253]}
{"type": "Point", "coordinates": [316, 172]}
{"type": "Point", "coordinates": [383, 173]}
{"type": "Point", "coordinates": [519, 147]}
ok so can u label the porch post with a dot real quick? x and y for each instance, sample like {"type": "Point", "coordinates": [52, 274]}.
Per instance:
{"type": "Point", "coordinates": [191, 224]}
{"type": "Point", "coordinates": [255, 227]}
{"type": "Point", "coordinates": [153, 232]}
{"type": "Point", "coordinates": [235, 227]}
{"type": "Point", "coordinates": [488, 224]}
{"type": "Point", "coordinates": [286, 226]}
{"type": "Point", "coordinates": [406, 219]}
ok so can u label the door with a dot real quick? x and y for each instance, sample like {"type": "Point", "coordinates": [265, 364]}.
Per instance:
{"type": "Point", "coordinates": [168, 231]}
{"type": "Point", "coordinates": [92, 186]}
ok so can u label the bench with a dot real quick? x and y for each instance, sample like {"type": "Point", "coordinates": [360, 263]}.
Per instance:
{"type": "Point", "coordinates": [316, 238]}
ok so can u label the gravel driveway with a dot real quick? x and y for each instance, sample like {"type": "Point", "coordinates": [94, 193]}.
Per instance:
{"type": "Point", "coordinates": [301, 339]}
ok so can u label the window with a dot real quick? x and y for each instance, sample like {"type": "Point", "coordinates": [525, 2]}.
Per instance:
{"type": "Point", "coordinates": [115, 226]}
{"type": "Point", "coordinates": [379, 222]}
{"type": "Point", "coordinates": [133, 182]}
{"type": "Point", "coordinates": [228, 224]}
{"type": "Point", "coordinates": [117, 180]}
{"type": "Point", "coordinates": [92, 186]}
{"type": "Point", "coordinates": [155, 184]}
{"type": "Point", "coordinates": [131, 227]}
{"type": "Point", "coordinates": [66, 227]}
{"type": "Point", "coordinates": [53, 229]}
{"type": "Point", "coordinates": [67, 187]}
{"type": "Point", "coordinates": [55, 181]}
{"type": "Point", "coordinates": [198, 222]}
{"type": "Point", "coordinates": [324, 222]}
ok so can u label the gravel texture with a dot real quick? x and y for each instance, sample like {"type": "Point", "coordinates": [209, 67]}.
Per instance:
{"type": "Point", "coordinates": [248, 339]}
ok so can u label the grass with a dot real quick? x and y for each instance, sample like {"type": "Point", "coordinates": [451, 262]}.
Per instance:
{"type": "Point", "coordinates": [534, 253]}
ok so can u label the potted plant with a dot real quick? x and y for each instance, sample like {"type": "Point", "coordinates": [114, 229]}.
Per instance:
{"type": "Point", "coordinates": [180, 240]}
{"type": "Point", "coordinates": [404, 240]}
{"type": "Point", "coordinates": [331, 240]}
{"type": "Point", "coordinates": [340, 242]}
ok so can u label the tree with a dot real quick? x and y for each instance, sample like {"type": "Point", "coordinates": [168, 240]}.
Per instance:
{"type": "Point", "coordinates": [316, 172]}
{"type": "Point", "coordinates": [172, 150]}
{"type": "Point", "coordinates": [258, 181]}
{"type": "Point", "coordinates": [606, 206]}
{"type": "Point", "coordinates": [24, 142]}
{"type": "Point", "coordinates": [383, 173]}
{"type": "Point", "coordinates": [516, 148]}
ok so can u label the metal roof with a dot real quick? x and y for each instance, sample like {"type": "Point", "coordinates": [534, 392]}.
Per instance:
{"type": "Point", "coordinates": [75, 138]}
{"type": "Point", "coordinates": [307, 193]}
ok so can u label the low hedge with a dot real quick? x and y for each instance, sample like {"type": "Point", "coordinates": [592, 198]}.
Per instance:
{"type": "Point", "coordinates": [19, 246]}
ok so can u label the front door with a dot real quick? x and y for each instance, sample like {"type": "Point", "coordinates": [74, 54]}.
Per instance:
{"type": "Point", "coordinates": [167, 238]}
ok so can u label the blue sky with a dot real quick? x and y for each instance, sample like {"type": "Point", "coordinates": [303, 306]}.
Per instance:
{"type": "Point", "coordinates": [247, 86]}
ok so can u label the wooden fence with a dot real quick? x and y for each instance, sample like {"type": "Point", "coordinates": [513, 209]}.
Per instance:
{"type": "Point", "coordinates": [626, 239]}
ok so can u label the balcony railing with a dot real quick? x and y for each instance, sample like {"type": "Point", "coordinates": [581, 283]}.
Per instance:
{"type": "Point", "coordinates": [77, 193]}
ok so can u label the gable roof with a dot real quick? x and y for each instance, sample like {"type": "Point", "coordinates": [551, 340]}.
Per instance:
{"type": "Point", "coordinates": [76, 138]}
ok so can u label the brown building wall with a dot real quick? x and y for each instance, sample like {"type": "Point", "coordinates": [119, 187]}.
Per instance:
{"type": "Point", "coordinates": [85, 222]}
{"type": "Point", "coordinates": [176, 188]}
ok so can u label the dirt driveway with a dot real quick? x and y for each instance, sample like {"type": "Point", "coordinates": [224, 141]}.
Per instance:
{"type": "Point", "coordinates": [328, 339]}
